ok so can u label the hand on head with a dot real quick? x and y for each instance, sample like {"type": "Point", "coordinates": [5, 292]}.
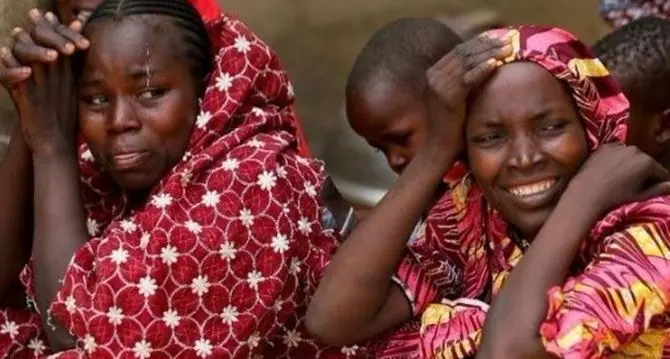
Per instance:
{"type": "Point", "coordinates": [37, 74]}
{"type": "Point", "coordinates": [452, 79]}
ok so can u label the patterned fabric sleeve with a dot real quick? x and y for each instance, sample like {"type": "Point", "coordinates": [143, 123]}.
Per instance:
{"type": "Point", "coordinates": [453, 328]}
{"type": "Point", "coordinates": [412, 279]}
{"type": "Point", "coordinates": [618, 299]}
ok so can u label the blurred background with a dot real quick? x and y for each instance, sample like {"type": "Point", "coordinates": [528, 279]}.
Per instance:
{"type": "Point", "coordinates": [317, 41]}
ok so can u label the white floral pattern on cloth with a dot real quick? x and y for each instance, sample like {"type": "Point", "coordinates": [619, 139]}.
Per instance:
{"type": "Point", "coordinates": [620, 12]}
{"type": "Point", "coordinates": [221, 259]}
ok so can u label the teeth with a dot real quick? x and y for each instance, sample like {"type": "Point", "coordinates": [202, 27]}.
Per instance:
{"type": "Point", "coordinates": [531, 189]}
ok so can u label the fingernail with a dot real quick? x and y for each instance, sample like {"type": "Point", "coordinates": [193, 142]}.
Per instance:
{"type": "Point", "coordinates": [16, 30]}
{"type": "Point", "coordinates": [26, 70]}
{"type": "Point", "coordinates": [34, 13]}
{"type": "Point", "coordinates": [507, 48]}
{"type": "Point", "coordinates": [69, 48]}
{"type": "Point", "coordinates": [4, 51]}
{"type": "Point", "coordinates": [84, 42]}
{"type": "Point", "coordinates": [75, 25]}
{"type": "Point", "coordinates": [52, 54]}
{"type": "Point", "coordinates": [499, 63]}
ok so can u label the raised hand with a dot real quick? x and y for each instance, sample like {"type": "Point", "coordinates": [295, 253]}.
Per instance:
{"type": "Point", "coordinates": [453, 78]}
{"type": "Point", "coordinates": [38, 75]}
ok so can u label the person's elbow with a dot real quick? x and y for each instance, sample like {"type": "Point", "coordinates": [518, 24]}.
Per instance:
{"type": "Point", "coordinates": [327, 329]}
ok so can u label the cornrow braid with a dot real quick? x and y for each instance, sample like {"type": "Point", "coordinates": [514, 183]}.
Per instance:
{"type": "Point", "coordinates": [194, 35]}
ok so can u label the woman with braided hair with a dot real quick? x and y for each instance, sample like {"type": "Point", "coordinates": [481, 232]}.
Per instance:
{"type": "Point", "coordinates": [186, 224]}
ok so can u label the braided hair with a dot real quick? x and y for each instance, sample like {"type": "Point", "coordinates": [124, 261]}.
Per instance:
{"type": "Point", "coordinates": [195, 38]}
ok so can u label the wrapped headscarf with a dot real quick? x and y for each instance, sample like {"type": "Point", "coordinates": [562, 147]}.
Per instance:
{"type": "Point", "coordinates": [618, 289]}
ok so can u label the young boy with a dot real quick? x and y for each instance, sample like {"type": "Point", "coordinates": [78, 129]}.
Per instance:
{"type": "Point", "coordinates": [387, 93]}
{"type": "Point", "coordinates": [638, 55]}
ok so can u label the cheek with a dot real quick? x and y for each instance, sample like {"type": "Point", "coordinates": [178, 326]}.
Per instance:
{"type": "Point", "coordinates": [570, 150]}
{"type": "Point", "coordinates": [92, 127]}
{"type": "Point", "coordinates": [485, 164]}
{"type": "Point", "coordinates": [415, 142]}
{"type": "Point", "coordinates": [171, 121]}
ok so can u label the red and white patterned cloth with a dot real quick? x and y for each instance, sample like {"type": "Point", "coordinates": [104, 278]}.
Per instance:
{"type": "Point", "coordinates": [220, 260]}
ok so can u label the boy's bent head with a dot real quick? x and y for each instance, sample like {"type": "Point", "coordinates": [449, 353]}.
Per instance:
{"type": "Point", "coordinates": [638, 55]}
{"type": "Point", "coordinates": [386, 91]}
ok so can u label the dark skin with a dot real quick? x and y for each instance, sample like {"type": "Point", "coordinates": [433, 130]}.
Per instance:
{"type": "Point", "coordinates": [71, 10]}
{"type": "Point", "coordinates": [391, 120]}
{"type": "Point", "coordinates": [16, 180]}
{"type": "Point", "coordinates": [356, 299]}
{"type": "Point", "coordinates": [648, 128]}
{"type": "Point", "coordinates": [136, 112]}
{"type": "Point", "coordinates": [528, 157]}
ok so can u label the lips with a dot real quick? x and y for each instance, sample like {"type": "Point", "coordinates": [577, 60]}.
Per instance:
{"type": "Point", "coordinates": [532, 188]}
{"type": "Point", "coordinates": [536, 194]}
{"type": "Point", "coordinates": [129, 160]}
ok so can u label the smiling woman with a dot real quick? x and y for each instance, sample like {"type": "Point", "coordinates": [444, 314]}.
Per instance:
{"type": "Point", "coordinates": [536, 251]}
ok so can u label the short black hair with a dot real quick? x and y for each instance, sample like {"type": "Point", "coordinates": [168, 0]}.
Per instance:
{"type": "Point", "coordinates": [402, 51]}
{"type": "Point", "coordinates": [183, 15]}
{"type": "Point", "coordinates": [638, 55]}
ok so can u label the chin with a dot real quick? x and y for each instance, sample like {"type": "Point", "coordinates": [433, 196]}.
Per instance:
{"type": "Point", "coordinates": [134, 182]}
{"type": "Point", "coordinates": [530, 223]}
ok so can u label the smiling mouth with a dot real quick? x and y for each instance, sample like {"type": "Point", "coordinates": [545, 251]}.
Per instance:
{"type": "Point", "coordinates": [532, 189]}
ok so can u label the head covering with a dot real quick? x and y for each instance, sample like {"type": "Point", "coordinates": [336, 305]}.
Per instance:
{"type": "Point", "coordinates": [467, 251]}
{"type": "Point", "coordinates": [209, 9]}
{"type": "Point", "coordinates": [219, 260]}
{"type": "Point", "coordinates": [620, 12]}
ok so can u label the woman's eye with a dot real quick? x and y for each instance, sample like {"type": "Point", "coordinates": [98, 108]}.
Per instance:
{"type": "Point", "coordinates": [554, 127]}
{"type": "Point", "coordinates": [489, 139]}
{"type": "Point", "coordinates": [150, 94]}
{"type": "Point", "coordinates": [97, 100]}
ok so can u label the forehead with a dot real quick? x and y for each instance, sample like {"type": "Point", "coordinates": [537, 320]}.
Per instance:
{"type": "Point", "coordinates": [380, 104]}
{"type": "Point", "coordinates": [131, 39]}
{"type": "Point", "coordinates": [520, 89]}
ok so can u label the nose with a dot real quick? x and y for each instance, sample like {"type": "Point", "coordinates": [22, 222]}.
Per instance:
{"type": "Point", "coordinates": [122, 117]}
{"type": "Point", "coordinates": [525, 154]}
{"type": "Point", "coordinates": [397, 161]}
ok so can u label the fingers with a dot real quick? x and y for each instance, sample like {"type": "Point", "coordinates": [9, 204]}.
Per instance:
{"type": "Point", "coordinates": [481, 72]}
{"type": "Point", "coordinates": [26, 51]}
{"type": "Point", "coordinates": [11, 71]}
{"type": "Point", "coordinates": [50, 33]}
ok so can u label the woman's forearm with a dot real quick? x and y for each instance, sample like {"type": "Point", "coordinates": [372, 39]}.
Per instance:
{"type": "Point", "coordinates": [357, 282]}
{"type": "Point", "coordinates": [512, 325]}
{"type": "Point", "coordinates": [16, 184]}
{"type": "Point", "coordinates": [59, 231]}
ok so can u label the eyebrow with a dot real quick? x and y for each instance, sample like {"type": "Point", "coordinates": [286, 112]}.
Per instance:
{"type": "Point", "coordinates": [135, 73]}
{"type": "Point", "coordinates": [141, 73]}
